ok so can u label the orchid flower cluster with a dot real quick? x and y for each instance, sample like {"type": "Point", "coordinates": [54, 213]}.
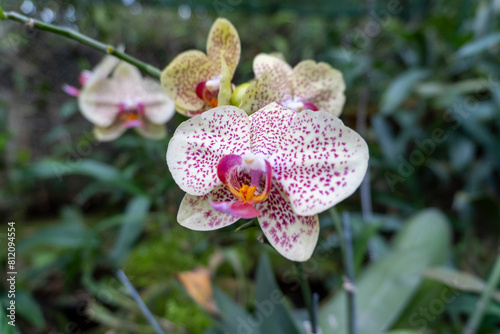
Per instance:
{"type": "Point", "coordinates": [272, 149]}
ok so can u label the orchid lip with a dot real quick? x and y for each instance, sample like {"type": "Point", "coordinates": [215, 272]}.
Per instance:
{"type": "Point", "coordinates": [208, 91]}
{"type": "Point", "coordinates": [296, 104]}
{"type": "Point", "coordinates": [247, 195]}
{"type": "Point", "coordinates": [131, 114]}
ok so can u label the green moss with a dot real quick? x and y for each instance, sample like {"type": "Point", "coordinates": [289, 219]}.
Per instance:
{"type": "Point", "coordinates": [183, 311]}
{"type": "Point", "coordinates": [158, 257]}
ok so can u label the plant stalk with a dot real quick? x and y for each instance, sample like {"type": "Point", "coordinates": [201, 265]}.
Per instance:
{"type": "Point", "coordinates": [74, 35]}
{"type": "Point", "coordinates": [308, 298]}
{"type": "Point", "coordinates": [477, 316]}
{"type": "Point", "coordinates": [349, 285]}
{"type": "Point", "coordinates": [137, 298]}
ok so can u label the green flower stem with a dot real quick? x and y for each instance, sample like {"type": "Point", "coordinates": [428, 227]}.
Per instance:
{"type": "Point", "coordinates": [477, 316]}
{"type": "Point", "coordinates": [137, 298]}
{"type": "Point", "coordinates": [345, 235]}
{"type": "Point", "coordinates": [306, 294]}
{"type": "Point", "coordinates": [349, 285]}
{"type": "Point", "coordinates": [71, 34]}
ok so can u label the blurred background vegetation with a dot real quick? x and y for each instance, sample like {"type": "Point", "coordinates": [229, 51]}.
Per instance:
{"type": "Point", "coordinates": [429, 75]}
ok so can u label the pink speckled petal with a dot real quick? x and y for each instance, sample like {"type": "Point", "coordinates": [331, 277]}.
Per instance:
{"type": "Point", "coordinates": [223, 40]}
{"type": "Point", "coordinates": [293, 236]}
{"type": "Point", "coordinates": [181, 77]}
{"type": "Point", "coordinates": [152, 131]}
{"type": "Point", "coordinates": [280, 73]}
{"type": "Point", "coordinates": [259, 94]}
{"type": "Point", "coordinates": [315, 157]}
{"type": "Point", "coordinates": [237, 209]}
{"type": "Point", "coordinates": [158, 107]}
{"type": "Point", "coordinates": [319, 84]}
{"type": "Point", "coordinates": [196, 213]}
{"type": "Point", "coordinates": [200, 142]}
{"type": "Point", "coordinates": [109, 133]}
{"type": "Point", "coordinates": [99, 102]}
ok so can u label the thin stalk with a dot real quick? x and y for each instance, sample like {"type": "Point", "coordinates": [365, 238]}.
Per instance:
{"type": "Point", "coordinates": [477, 316]}
{"type": "Point", "coordinates": [361, 125]}
{"type": "Point", "coordinates": [74, 35]}
{"type": "Point", "coordinates": [349, 283]}
{"type": "Point", "coordinates": [137, 298]}
{"type": "Point", "coordinates": [306, 294]}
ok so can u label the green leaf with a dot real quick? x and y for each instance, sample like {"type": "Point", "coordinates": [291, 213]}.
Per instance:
{"type": "Point", "coordinates": [400, 88]}
{"type": "Point", "coordinates": [92, 168]}
{"type": "Point", "coordinates": [5, 328]}
{"type": "Point", "coordinates": [29, 309]}
{"type": "Point", "coordinates": [458, 280]}
{"type": "Point", "coordinates": [426, 307]}
{"type": "Point", "coordinates": [65, 235]}
{"type": "Point", "coordinates": [133, 224]}
{"type": "Point", "coordinates": [2, 14]}
{"type": "Point", "coordinates": [234, 319]}
{"type": "Point", "coordinates": [269, 307]}
{"type": "Point", "coordinates": [385, 288]}
{"type": "Point", "coordinates": [479, 45]}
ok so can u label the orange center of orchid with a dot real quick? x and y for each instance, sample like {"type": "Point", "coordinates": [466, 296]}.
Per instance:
{"type": "Point", "coordinates": [246, 193]}
{"type": "Point", "coordinates": [131, 116]}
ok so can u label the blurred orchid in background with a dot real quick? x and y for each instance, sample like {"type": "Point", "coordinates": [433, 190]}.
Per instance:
{"type": "Point", "coordinates": [309, 85]}
{"type": "Point", "coordinates": [281, 166]}
{"type": "Point", "coordinates": [125, 100]}
{"type": "Point", "coordinates": [198, 82]}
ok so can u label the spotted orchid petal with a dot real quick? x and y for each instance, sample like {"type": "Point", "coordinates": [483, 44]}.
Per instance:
{"type": "Point", "coordinates": [293, 236]}
{"type": "Point", "coordinates": [109, 133]}
{"type": "Point", "coordinates": [158, 107]}
{"type": "Point", "coordinates": [98, 102]}
{"type": "Point", "coordinates": [259, 93]}
{"type": "Point", "coordinates": [223, 40]}
{"type": "Point", "coordinates": [280, 73]}
{"type": "Point", "coordinates": [182, 77]}
{"type": "Point", "coordinates": [102, 70]}
{"type": "Point", "coordinates": [196, 212]}
{"type": "Point", "coordinates": [315, 157]}
{"type": "Point", "coordinates": [152, 130]}
{"type": "Point", "coordinates": [320, 85]}
{"type": "Point", "coordinates": [199, 143]}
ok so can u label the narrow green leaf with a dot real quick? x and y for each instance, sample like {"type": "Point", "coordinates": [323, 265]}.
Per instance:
{"type": "Point", "coordinates": [478, 45]}
{"type": "Point", "coordinates": [458, 280]}
{"type": "Point", "coordinates": [400, 88]}
{"type": "Point", "coordinates": [2, 14]}
{"type": "Point", "coordinates": [133, 224]}
{"type": "Point", "coordinates": [269, 307]}
{"type": "Point", "coordinates": [385, 288]}
{"type": "Point", "coordinates": [29, 309]}
{"type": "Point", "coordinates": [234, 319]}
{"type": "Point", "coordinates": [92, 168]}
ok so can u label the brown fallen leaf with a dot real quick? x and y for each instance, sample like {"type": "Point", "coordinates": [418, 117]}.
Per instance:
{"type": "Point", "coordinates": [198, 285]}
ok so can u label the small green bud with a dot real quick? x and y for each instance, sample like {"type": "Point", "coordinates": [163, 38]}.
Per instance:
{"type": "Point", "coordinates": [238, 94]}
{"type": "Point", "coordinates": [2, 14]}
